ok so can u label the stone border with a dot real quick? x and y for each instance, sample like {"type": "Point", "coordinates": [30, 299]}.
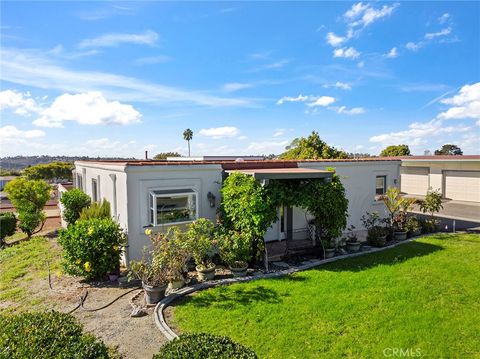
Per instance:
{"type": "Point", "coordinates": [309, 264]}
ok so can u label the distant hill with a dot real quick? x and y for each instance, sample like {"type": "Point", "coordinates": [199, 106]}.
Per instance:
{"type": "Point", "coordinates": [21, 162]}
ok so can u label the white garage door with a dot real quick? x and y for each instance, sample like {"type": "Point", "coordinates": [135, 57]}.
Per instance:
{"type": "Point", "coordinates": [414, 180]}
{"type": "Point", "coordinates": [462, 185]}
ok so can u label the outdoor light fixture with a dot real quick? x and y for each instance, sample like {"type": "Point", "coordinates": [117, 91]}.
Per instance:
{"type": "Point", "coordinates": [211, 199]}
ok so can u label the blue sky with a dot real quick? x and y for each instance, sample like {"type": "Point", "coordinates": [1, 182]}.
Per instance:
{"type": "Point", "coordinates": [116, 78]}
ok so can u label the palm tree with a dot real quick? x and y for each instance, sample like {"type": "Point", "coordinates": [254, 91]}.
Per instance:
{"type": "Point", "coordinates": [187, 136]}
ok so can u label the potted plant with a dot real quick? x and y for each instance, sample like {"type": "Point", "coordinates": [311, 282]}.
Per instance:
{"type": "Point", "coordinates": [397, 207]}
{"type": "Point", "coordinates": [328, 247]}
{"type": "Point", "coordinates": [203, 247]}
{"type": "Point", "coordinates": [174, 254]}
{"type": "Point", "coordinates": [153, 276]}
{"type": "Point", "coordinates": [413, 226]}
{"type": "Point", "coordinates": [376, 233]}
{"type": "Point", "coordinates": [235, 251]}
{"type": "Point", "coordinates": [351, 240]}
{"type": "Point", "coordinates": [399, 222]}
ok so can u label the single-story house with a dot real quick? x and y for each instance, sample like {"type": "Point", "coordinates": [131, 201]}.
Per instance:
{"type": "Point", "coordinates": [456, 177]}
{"type": "Point", "coordinates": [157, 194]}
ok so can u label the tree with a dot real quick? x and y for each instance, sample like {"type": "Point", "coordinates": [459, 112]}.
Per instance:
{"type": "Point", "coordinates": [74, 201]}
{"type": "Point", "coordinates": [449, 150]}
{"type": "Point", "coordinates": [29, 197]}
{"type": "Point", "coordinates": [432, 203]}
{"type": "Point", "coordinates": [50, 171]}
{"type": "Point", "coordinates": [395, 151]}
{"type": "Point", "coordinates": [187, 136]}
{"type": "Point", "coordinates": [164, 155]}
{"type": "Point", "coordinates": [311, 147]}
{"type": "Point", "coordinates": [8, 224]}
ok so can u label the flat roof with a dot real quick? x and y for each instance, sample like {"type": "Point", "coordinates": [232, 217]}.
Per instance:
{"type": "Point", "coordinates": [441, 158]}
{"type": "Point", "coordinates": [284, 173]}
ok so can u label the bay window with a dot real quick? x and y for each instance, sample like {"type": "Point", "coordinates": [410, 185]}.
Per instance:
{"type": "Point", "coordinates": [172, 206]}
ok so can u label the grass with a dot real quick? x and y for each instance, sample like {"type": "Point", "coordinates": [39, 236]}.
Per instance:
{"type": "Point", "coordinates": [422, 296]}
{"type": "Point", "coordinates": [24, 264]}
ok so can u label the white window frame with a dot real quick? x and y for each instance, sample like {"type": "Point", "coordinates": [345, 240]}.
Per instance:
{"type": "Point", "coordinates": [385, 186]}
{"type": "Point", "coordinates": [95, 194]}
{"type": "Point", "coordinates": [179, 192]}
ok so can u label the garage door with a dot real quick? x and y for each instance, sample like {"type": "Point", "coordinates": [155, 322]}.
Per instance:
{"type": "Point", "coordinates": [414, 180]}
{"type": "Point", "coordinates": [462, 185]}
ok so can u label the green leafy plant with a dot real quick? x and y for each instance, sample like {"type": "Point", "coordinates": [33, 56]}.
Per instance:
{"type": "Point", "coordinates": [412, 224]}
{"type": "Point", "coordinates": [429, 225]}
{"type": "Point", "coordinates": [204, 346]}
{"type": "Point", "coordinates": [29, 197]}
{"type": "Point", "coordinates": [92, 248]}
{"type": "Point", "coordinates": [96, 210]}
{"type": "Point", "coordinates": [74, 201]}
{"type": "Point", "coordinates": [311, 147]}
{"type": "Point", "coordinates": [47, 335]}
{"type": "Point", "coordinates": [397, 207]}
{"type": "Point", "coordinates": [432, 203]}
{"type": "Point", "coordinates": [395, 151]}
{"type": "Point", "coordinates": [235, 248]}
{"type": "Point", "coordinates": [202, 242]}
{"type": "Point", "coordinates": [8, 225]}
{"type": "Point", "coordinates": [351, 236]}
{"type": "Point", "coordinates": [376, 230]}
{"type": "Point", "coordinates": [50, 171]}
{"type": "Point", "coordinates": [174, 253]}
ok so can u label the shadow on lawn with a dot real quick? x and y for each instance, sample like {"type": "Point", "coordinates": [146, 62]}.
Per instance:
{"type": "Point", "coordinates": [391, 256]}
{"type": "Point", "coordinates": [227, 298]}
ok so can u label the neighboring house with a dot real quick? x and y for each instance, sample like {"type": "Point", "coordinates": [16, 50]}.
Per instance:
{"type": "Point", "coordinates": [456, 177]}
{"type": "Point", "coordinates": [158, 194]}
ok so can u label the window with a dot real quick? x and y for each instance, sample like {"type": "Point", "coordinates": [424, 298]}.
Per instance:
{"type": "Point", "coordinates": [94, 190]}
{"type": "Point", "coordinates": [79, 182]}
{"type": "Point", "coordinates": [380, 185]}
{"type": "Point", "coordinates": [172, 206]}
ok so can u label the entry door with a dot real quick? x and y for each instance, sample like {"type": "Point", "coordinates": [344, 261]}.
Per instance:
{"type": "Point", "coordinates": [282, 222]}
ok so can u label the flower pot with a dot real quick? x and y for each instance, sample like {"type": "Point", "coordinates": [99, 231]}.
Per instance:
{"type": "Point", "coordinates": [400, 235]}
{"type": "Point", "coordinates": [353, 247]}
{"type": "Point", "coordinates": [153, 294]}
{"type": "Point", "coordinates": [239, 271]}
{"type": "Point", "coordinates": [329, 252]}
{"type": "Point", "coordinates": [205, 274]}
{"type": "Point", "coordinates": [176, 284]}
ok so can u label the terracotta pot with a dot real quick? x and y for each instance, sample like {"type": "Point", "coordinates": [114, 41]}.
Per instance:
{"type": "Point", "coordinates": [400, 235]}
{"type": "Point", "coordinates": [205, 274]}
{"type": "Point", "coordinates": [239, 272]}
{"type": "Point", "coordinates": [329, 252]}
{"type": "Point", "coordinates": [353, 247]}
{"type": "Point", "coordinates": [153, 294]}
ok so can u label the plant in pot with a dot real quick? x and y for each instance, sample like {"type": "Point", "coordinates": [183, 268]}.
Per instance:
{"type": "Point", "coordinates": [235, 251]}
{"type": "Point", "coordinates": [397, 206]}
{"type": "Point", "coordinates": [376, 232]}
{"type": "Point", "coordinates": [351, 240]}
{"type": "Point", "coordinates": [174, 254]}
{"type": "Point", "coordinates": [413, 226]}
{"type": "Point", "coordinates": [328, 247]}
{"type": "Point", "coordinates": [203, 247]}
{"type": "Point", "coordinates": [399, 222]}
{"type": "Point", "coordinates": [153, 276]}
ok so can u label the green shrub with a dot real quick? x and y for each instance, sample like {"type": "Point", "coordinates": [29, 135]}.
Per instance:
{"type": "Point", "coordinates": [92, 248]}
{"type": "Point", "coordinates": [200, 236]}
{"type": "Point", "coordinates": [204, 346]}
{"type": "Point", "coordinates": [8, 224]}
{"type": "Point", "coordinates": [47, 335]}
{"type": "Point", "coordinates": [73, 202]}
{"type": "Point", "coordinates": [235, 248]}
{"type": "Point", "coordinates": [96, 210]}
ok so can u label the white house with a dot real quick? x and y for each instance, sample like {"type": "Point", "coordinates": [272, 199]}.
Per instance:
{"type": "Point", "coordinates": [157, 194]}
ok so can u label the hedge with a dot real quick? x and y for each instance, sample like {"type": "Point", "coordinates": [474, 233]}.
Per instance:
{"type": "Point", "coordinates": [204, 346]}
{"type": "Point", "coordinates": [47, 335]}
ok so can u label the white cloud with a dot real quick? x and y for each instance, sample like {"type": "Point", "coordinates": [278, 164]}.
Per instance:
{"type": "Point", "coordinates": [236, 86]}
{"type": "Point", "coordinates": [265, 147]}
{"type": "Point", "coordinates": [322, 101]}
{"type": "Point", "coordinates": [412, 46]}
{"type": "Point", "coordinates": [276, 65]}
{"type": "Point", "coordinates": [149, 37]}
{"type": "Point", "coordinates": [362, 15]}
{"type": "Point", "coordinates": [444, 18]}
{"type": "Point", "coordinates": [348, 53]}
{"type": "Point", "coordinates": [335, 40]}
{"type": "Point", "coordinates": [279, 132]}
{"type": "Point", "coordinates": [152, 60]}
{"type": "Point", "coordinates": [89, 108]}
{"type": "Point", "coordinates": [466, 104]}
{"type": "Point", "coordinates": [299, 98]}
{"type": "Point", "coordinates": [10, 133]}
{"type": "Point", "coordinates": [102, 143]}
{"type": "Point", "coordinates": [219, 132]}
{"type": "Point", "coordinates": [339, 85]}
{"type": "Point", "coordinates": [352, 111]}
{"type": "Point", "coordinates": [33, 68]}
{"type": "Point", "coordinates": [443, 32]}
{"type": "Point", "coordinates": [21, 103]}
{"type": "Point", "coordinates": [393, 53]}
{"type": "Point", "coordinates": [361, 64]}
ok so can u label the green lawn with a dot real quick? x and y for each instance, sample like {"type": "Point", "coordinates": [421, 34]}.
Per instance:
{"type": "Point", "coordinates": [22, 267]}
{"type": "Point", "coordinates": [424, 295]}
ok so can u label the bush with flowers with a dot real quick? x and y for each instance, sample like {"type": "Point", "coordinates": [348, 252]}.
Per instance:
{"type": "Point", "coordinates": [92, 248]}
